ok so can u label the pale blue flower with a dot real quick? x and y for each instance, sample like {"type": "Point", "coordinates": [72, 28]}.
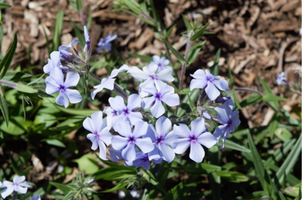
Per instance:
{"type": "Point", "coordinates": [209, 82]}
{"type": "Point", "coordinates": [53, 62]}
{"type": "Point", "coordinates": [64, 51]}
{"type": "Point", "coordinates": [161, 62]}
{"type": "Point", "coordinates": [18, 185]}
{"type": "Point", "coordinates": [193, 138]}
{"type": "Point", "coordinates": [141, 160]}
{"type": "Point", "coordinates": [165, 93]}
{"type": "Point", "coordinates": [108, 82]}
{"type": "Point", "coordinates": [87, 39]}
{"type": "Point", "coordinates": [280, 78]}
{"type": "Point", "coordinates": [100, 134]}
{"type": "Point", "coordinates": [55, 83]}
{"type": "Point", "coordinates": [121, 112]}
{"type": "Point", "coordinates": [106, 43]}
{"type": "Point", "coordinates": [36, 197]}
{"type": "Point", "coordinates": [162, 140]}
{"type": "Point", "coordinates": [229, 120]}
{"type": "Point", "coordinates": [130, 139]}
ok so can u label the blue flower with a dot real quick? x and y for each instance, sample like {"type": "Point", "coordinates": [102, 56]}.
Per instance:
{"type": "Point", "coordinates": [130, 139]}
{"type": "Point", "coordinates": [141, 160]}
{"type": "Point", "coordinates": [209, 82]}
{"type": "Point", "coordinates": [193, 138]}
{"type": "Point", "coordinates": [280, 78]}
{"type": "Point", "coordinates": [229, 120]}
{"type": "Point", "coordinates": [100, 134]}
{"type": "Point", "coordinates": [55, 83]}
{"type": "Point", "coordinates": [161, 62]}
{"type": "Point", "coordinates": [36, 197]}
{"type": "Point", "coordinates": [53, 62]}
{"type": "Point", "coordinates": [105, 43]}
{"type": "Point", "coordinates": [18, 185]}
{"type": "Point", "coordinates": [162, 140]}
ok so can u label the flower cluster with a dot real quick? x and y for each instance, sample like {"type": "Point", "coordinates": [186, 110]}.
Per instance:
{"type": "Point", "coordinates": [127, 129]}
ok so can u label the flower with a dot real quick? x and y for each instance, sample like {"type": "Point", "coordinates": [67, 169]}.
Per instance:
{"type": "Point", "coordinates": [18, 185]}
{"type": "Point", "coordinates": [99, 133]}
{"type": "Point", "coordinates": [280, 78]}
{"type": "Point", "coordinates": [87, 39]}
{"type": "Point", "coordinates": [64, 51]}
{"type": "Point", "coordinates": [130, 139]}
{"type": "Point", "coordinates": [228, 119]}
{"type": "Point", "coordinates": [108, 82]}
{"type": "Point", "coordinates": [53, 62]}
{"type": "Point", "coordinates": [105, 43]}
{"type": "Point", "coordinates": [150, 75]}
{"type": "Point", "coordinates": [55, 83]}
{"type": "Point", "coordinates": [141, 160]}
{"type": "Point", "coordinates": [209, 82]}
{"type": "Point", "coordinates": [36, 197]}
{"type": "Point", "coordinates": [121, 112]}
{"type": "Point", "coordinates": [164, 94]}
{"type": "Point", "coordinates": [162, 140]}
{"type": "Point", "coordinates": [193, 138]}
{"type": "Point", "coordinates": [161, 62]}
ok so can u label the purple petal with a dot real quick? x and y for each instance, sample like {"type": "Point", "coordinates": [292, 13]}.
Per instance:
{"type": "Point", "coordinates": [134, 101]}
{"type": "Point", "coordinates": [157, 109]}
{"type": "Point", "coordinates": [200, 74]}
{"type": "Point", "coordinates": [20, 189]}
{"type": "Point", "coordinates": [138, 74]}
{"type": "Point", "coordinates": [72, 79]}
{"type": "Point", "coordinates": [57, 75]}
{"type": "Point", "coordinates": [212, 91]}
{"type": "Point", "coordinates": [197, 83]}
{"type": "Point", "coordinates": [115, 155]}
{"type": "Point", "coordinates": [92, 138]}
{"type": "Point", "coordinates": [6, 192]}
{"type": "Point", "coordinates": [106, 136]}
{"type": "Point", "coordinates": [124, 129]}
{"type": "Point", "coordinates": [18, 179]}
{"type": "Point", "coordinates": [102, 150]}
{"type": "Point", "coordinates": [140, 129]}
{"type": "Point", "coordinates": [73, 95]}
{"type": "Point", "coordinates": [129, 153]}
{"type": "Point", "coordinates": [196, 152]}
{"type": "Point", "coordinates": [51, 86]}
{"type": "Point", "coordinates": [88, 124]}
{"type": "Point", "coordinates": [221, 84]}
{"type": "Point", "coordinates": [165, 75]}
{"type": "Point", "coordinates": [118, 142]}
{"type": "Point", "coordinates": [168, 153]}
{"type": "Point", "coordinates": [117, 103]}
{"type": "Point", "coordinates": [163, 125]}
{"type": "Point", "coordinates": [182, 130]}
{"type": "Point", "coordinates": [207, 139]}
{"type": "Point", "coordinates": [62, 100]}
{"type": "Point", "coordinates": [145, 144]}
{"type": "Point", "coordinates": [148, 101]}
{"type": "Point", "coordinates": [171, 99]}
{"type": "Point", "coordinates": [197, 126]}
{"type": "Point", "coordinates": [135, 117]}
{"type": "Point", "coordinates": [181, 145]}
{"type": "Point", "coordinates": [97, 119]}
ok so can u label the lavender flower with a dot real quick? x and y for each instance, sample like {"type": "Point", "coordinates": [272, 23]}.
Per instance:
{"type": "Point", "coordinates": [55, 83]}
{"type": "Point", "coordinates": [108, 82]}
{"type": "Point", "coordinates": [280, 78]}
{"type": "Point", "coordinates": [130, 139]}
{"type": "Point", "coordinates": [193, 138]}
{"type": "Point", "coordinates": [53, 62]}
{"type": "Point", "coordinates": [141, 160]}
{"type": "Point", "coordinates": [105, 43]}
{"type": "Point", "coordinates": [64, 51]}
{"type": "Point", "coordinates": [228, 119]}
{"type": "Point", "coordinates": [87, 39]}
{"type": "Point", "coordinates": [18, 185]}
{"type": "Point", "coordinates": [36, 197]}
{"type": "Point", "coordinates": [164, 94]}
{"type": "Point", "coordinates": [209, 82]}
{"type": "Point", "coordinates": [100, 134]}
{"type": "Point", "coordinates": [161, 62]}
{"type": "Point", "coordinates": [121, 112]}
{"type": "Point", "coordinates": [162, 140]}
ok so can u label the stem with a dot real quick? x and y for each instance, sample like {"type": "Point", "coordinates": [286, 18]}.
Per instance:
{"type": "Point", "coordinates": [248, 90]}
{"type": "Point", "coordinates": [8, 83]}
{"type": "Point", "coordinates": [184, 65]}
{"type": "Point", "coordinates": [15, 195]}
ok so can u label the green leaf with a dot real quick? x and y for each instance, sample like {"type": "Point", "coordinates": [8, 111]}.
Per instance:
{"type": "Point", "coordinates": [184, 107]}
{"type": "Point", "coordinates": [193, 52]}
{"type": "Point", "coordinates": [3, 106]}
{"type": "Point", "coordinates": [79, 33]}
{"type": "Point", "coordinates": [87, 163]}
{"type": "Point", "coordinates": [5, 62]}
{"type": "Point", "coordinates": [257, 161]}
{"type": "Point", "coordinates": [198, 33]}
{"type": "Point", "coordinates": [25, 88]}
{"type": "Point", "coordinates": [174, 51]}
{"type": "Point", "coordinates": [133, 5]}
{"type": "Point", "coordinates": [17, 126]}
{"type": "Point", "coordinates": [289, 162]}
{"type": "Point", "coordinates": [64, 188]}
{"type": "Point", "coordinates": [143, 58]}
{"type": "Point", "coordinates": [273, 125]}
{"type": "Point", "coordinates": [79, 112]}
{"type": "Point", "coordinates": [229, 144]}
{"type": "Point", "coordinates": [214, 69]}
{"type": "Point", "coordinates": [58, 30]}
{"type": "Point", "coordinates": [251, 100]}
{"type": "Point", "coordinates": [3, 5]}
{"type": "Point", "coordinates": [268, 91]}
{"type": "Point", "coordinates": [281, 196]}
{"type": "Point", "coordinates": [272, 97]}
{"type": "Point", "coordinates": [55, 142]}
{"type": "Point", "coordinates": [168, 33]}
{"type": "Point", "coordinates": [238, 107]}
{"type": "Point", "coordinates": [117, 187]}
{"type": "Point", "coordinates": [233, 176]}
{"type": "Point", "coordinates": [187, 23]}
{"type": "Point", "coordinates": [184, 91]}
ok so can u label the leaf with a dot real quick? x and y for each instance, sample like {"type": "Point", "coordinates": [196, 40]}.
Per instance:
{"type": "Point", "coordinates": [193, 52]}
{"type": "Point", "coordinates": [272, 97]}
{"type": "Point", "coordinates": [17, 126]}
{"type": "Point", "coordinates": [233, 176]}
{"type": "Point", "coordinates": [117, 187]}
{"type": "Point", "coordinates": [273, 125]}
{"type": "Point", "coordinates": [79, 112]}
{"type": "Point", "coordinates": [235, 146]}
{"type": "Point", "coordinates": [3, 5]}
{"type": "Point", "coordinates": [58, 30]}
{"type": "Point", "coordinates": [267, 91]}
{"type": "Point", "coordinates": [289, 162]}
{"type": "Point", "coordinates": [25, 88]}
{"type": "Point", "coordinates": [174, 51]}
{"type": "Point", "coordinates": [214, 69]}
{"type": "Point", "coordinates": [168, 33]}
{"type": "Point", "coordinates": [198, 33]}
{"type": "Point", "coordinates": [55, 142]}
{"type": "Point", "coordinates": [187, 23]}
{"type": "Point", "coordinates": [143, 58]}
{"type": "Point", "coordinates": [184, 107]}
{"type": "Point", "coordinates": [87, 163]}
{"type": "Point", "coordinates": [133, 5]}
{"type": "Point", "coordinates": [5, 62]}
{"type": "Point", "coordinates": [79, 33]}
{"type": "Point", "coordinates": [64, 188]}
{"type": "Point", "coordinates": [3, 106]}
{"type": "Point", "coordinates": [251, 100]}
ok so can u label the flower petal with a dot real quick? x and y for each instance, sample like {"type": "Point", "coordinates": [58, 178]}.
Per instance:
{"type": "Point", "coordinates": [168, 153]}
{"type": "Point", "coordinates": [129, 153]}
{"type": "Point", "coordinates": [212, 91]}
{"type": "Point", "coordinates": [74, 96]}
{"type": "Point", "coordinates": [196, 152]}
{"type": "Point", "coordinates": [145, 144]}
{"type": "Point", "coordinates": [197, 126]}
{"type": "Point", "coordinates": [157, 109]}
{"type": "Point", "coordinates": [163, 125]}
{"type": "Point", "coordinates": [72, 79]}
{"type": "Point", "coordinates": [181, 145]}
{"type": "Point", "coordinates": [117, 103]}
{"type": "Point", "coordinates": [62, 100]}
{"type": "Point", "coordinates": [207, 139]}
{"type": "Point", "coordinates": [118, 142]}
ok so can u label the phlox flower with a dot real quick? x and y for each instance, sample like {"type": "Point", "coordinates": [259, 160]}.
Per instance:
{"type": "Point", "coordinates": [141, 160]}
{"type": "Point", "coordinates": [18, 185]}
{"type": "Point", "coordinates": [165, 94]}
{"type": "Point", "coordinates": [87, 39]}
{"type": "Point", "coordinates": [53, 62]}
{"type": "Point", "coordinates": [121, 112]}
{"type": "Point", "coordinates": [106, 43]}
{"type": "Point", "coordinates": [194, 138]}
{"type": "Point", "coordinates": [150, 76]}
{"type": "Point", "coordinates": [108, 82]}
{"type": "Point", "coordinates": [55, 83]}
{"type": "Point", "coordinates": [64, 50]}
{"type": "Point", "coordinates": [209, 82]}
{"type": "Point", "coordinates": [229, 120]}
{"type": "Point", "coordinates": [130, 139]}
{"type": "Point", "coordinates": [280, 78]}
{"type": "Point", "coordinates": [100, 134]}
{"type": "Point", "coordinates": [161, 62]}
{"type": "Point", "coordinates": [162, 140]}
{"type": "Point", "coordinates": [36, 197]}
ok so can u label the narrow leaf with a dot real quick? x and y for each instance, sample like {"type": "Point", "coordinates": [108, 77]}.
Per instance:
{"type": "Point", "coordinates": [268, 90]}
{"type": "Point", "coordinates": [3, 106]}
{"type": "Point", "coordinates": [174, 51]}
{"type": "Point", "coordinates": [193, 52]}
{"type": "Point", "coordinates": [3, 5]}
{"type": "Point", "coordinates": [25, 88]}
{"type": "Point", "coordinates": [214, 69]}
{"type": "Point", "coordinates": [184, 107]}
{"type": "Point", "coordinates": [5, 62]}
{"type": "Point", "coordinates": [64, 188]}
{"type": "Point", "coordinates": [199, 32]}
{"type": "Point", "coordinates": [58, 30]}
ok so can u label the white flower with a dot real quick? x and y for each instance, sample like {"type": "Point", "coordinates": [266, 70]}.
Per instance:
{"type": "Point", "coordinates": [19, 185]}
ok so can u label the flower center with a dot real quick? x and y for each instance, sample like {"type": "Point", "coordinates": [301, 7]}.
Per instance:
{"type": "Point", "coordinates": [210, 79]}
{"type": "Point", "coordinates": [131, 140]}
{"type": "Point", "coordinates": [193, 139]}
{"type": "Point", "coordinates": [126, 111]}
{"type": "Point", "coordinates": [160, 140]}
{"type": "Point", "coordinates": [158, 96]}
{"type": "Point", "coordinates": [114, 113]}
{"type": "Point", "coordinates": [154, 77]}
{"type": "Point", "coordinates": [229, 123]}
{"type": "Point", "coordinates": [96, 135]}
{"type": "Point", "coordinates": [62, 88]}
{"type": "Point", "coordinates": [145, 158]}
